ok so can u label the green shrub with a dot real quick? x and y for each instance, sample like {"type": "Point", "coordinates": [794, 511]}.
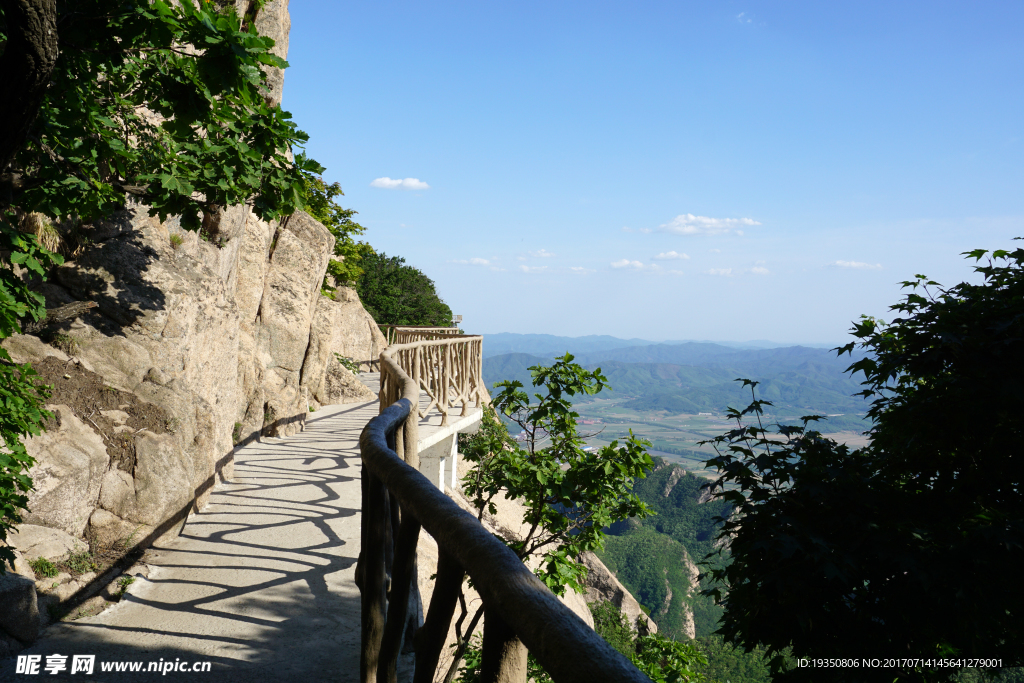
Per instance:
{"type": "Point", "coordinates": [171, 424]}
{"type": "Point", "coordinates": [80, 562]}
{"type": "Point", "coordinates": [347, 363]}
{"type": "Point", "coordinates": [610, 623]}
{"type": "Point", "coordinates": [43, 568]}
{"type": "Point", "coordinates": [398, 294]}
{"type": "Point", "coordinates": [123, 583]}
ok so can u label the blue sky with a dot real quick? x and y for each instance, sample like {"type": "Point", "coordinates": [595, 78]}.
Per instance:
{"type": "Point", "coordinates": [669, 170]}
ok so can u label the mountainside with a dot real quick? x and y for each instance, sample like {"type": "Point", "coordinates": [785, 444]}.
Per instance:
{"type": "Point", "coordinates": [692, 378]}
{"type": "Point", "coordinates": [549, 344]}
{"type": "Point", "coordinates": [656, 558]}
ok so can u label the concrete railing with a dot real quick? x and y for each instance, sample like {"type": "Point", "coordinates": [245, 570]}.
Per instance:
{"type": "Point", "coordinates": [398, 500]}
{"type": "Point", "coordinates": [448, 369]}
{"type": "Point", "coordinates": [403, 334]}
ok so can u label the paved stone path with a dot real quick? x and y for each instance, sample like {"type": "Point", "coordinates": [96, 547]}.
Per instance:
{"type": "Point", "coordinates": [260, 583]}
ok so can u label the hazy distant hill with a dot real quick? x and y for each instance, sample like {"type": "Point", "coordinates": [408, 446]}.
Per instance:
{"type": "Point", "coordinates": [705, 354]}
{"type": "Point", "coordinates": [548, 344]}
{"type": "Point", "coordinates": [697, 377]}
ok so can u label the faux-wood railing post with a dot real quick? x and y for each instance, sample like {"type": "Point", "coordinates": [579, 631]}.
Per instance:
{"type": "Point", "coordinates": [504, 655]}
{"type": "Point", "coordinates": [373, 595]}
{"type": "Point", "coordinates": [432, 635]}
{"type": "Point", "coordinates": [444, 357]}
{"type": "Point", "coordinates": [402, 574]}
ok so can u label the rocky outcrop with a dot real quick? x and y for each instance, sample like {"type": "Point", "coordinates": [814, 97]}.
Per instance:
{"type": "Point", "coordinates": [229, 342]}
{"type": "Point", "coordinates": [186, 345]}
{"type": "Point", "coordinates": [273, 20]}
{"type": "Point", "coordinates": [33, 541]}
{"type": "Point", "coordinates": [72, 460]}
{"type": "Point", "coordinates": [603, 586]}
{"type": "Point", "coordinates": [693, 574]}
{"type": "Point", "coordinates": [19, 613]}
{"type": "Point", "coordinates": [355, 334]}
{"type": "Point", "coordinates": [673, 479]}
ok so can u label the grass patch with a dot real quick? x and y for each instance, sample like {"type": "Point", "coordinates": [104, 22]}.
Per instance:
{"type": "Point", "coordinates": [123, 583]}
{"type": "Point", "coordinates": [67, 343]}
{"type": "Point", "coordinates": [79, 562]}
{"type": "Point", "coordinates": [176, 240]}
{"type": "Point", "coordinates": [43, 568]}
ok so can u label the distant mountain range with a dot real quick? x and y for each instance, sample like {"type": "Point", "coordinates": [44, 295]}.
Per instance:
{"type": "Point", "coordinates": [691, 377]}
{"type": "Point", "coordinates": [548, 344]}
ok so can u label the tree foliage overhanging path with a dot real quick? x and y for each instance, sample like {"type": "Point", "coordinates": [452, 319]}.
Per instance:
{"type": "Point", "coordinates": [108, 99]}
{"type": "Point", "coordinates": [912, 546]}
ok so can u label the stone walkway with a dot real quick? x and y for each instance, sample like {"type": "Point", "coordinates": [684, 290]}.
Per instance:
{"type": "Point", "coordinates": [260, 584]}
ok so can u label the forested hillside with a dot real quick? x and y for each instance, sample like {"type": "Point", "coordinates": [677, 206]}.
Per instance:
{"type": "Point", "coordinates": [693, 378]}
{"type": "Point", "coordinates": [650, 556]}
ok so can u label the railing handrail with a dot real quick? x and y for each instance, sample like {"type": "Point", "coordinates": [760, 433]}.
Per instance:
{"type": "Point", "coordinates": [561, 641]}
{"type": "Point", "coordinates": [392, 332]}
{"type": "Point", "coordinates": [419, 358]}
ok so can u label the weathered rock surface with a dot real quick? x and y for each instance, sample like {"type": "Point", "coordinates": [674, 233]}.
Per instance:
{"type": "Point", "coordinates": [24, 348]}
{"type": "Point", "coordinates": [356, 335]}
{"type": "Point", "coordinates": [106, 528]}
{"type": "Point", "coordinates": [275, 22]}
{"type": "Point", "coordinates": [603, 586]}
{"type": "Point", "coordinates": [160, 488]}
{"type": "Point", "coordinates": [298, 260]}
{"type": "Point", "coordinates": [228, 335]}
{"type": "Point", "coordinates": [19, 613]}
{"type": "Point", "coordinates": [71, 460]}
{"type": "Point", "coordinates": [339, 385]}
{"type": "Point", "coordinates": [33, 541]}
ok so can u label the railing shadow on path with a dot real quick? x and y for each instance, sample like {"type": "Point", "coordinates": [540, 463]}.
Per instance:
{"type": "Point", "coordinates": [260, 584]}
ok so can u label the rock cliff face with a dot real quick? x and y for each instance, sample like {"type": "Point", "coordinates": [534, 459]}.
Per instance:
{"type": "Point", "coordinates": [194, 346]}
{"type": "Point", "coordinates": [603, 586]}
{"type": "Point", "coordinates": [229, 343]}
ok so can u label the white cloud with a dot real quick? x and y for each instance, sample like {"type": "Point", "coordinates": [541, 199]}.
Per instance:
{"type": "Point", "coordinates": [744, 18]}
{"type": "Point", "coordinates": [715, 251]}
{"type": "Point", "coordinates": [400, 184]}
{"type": "Point", "coordinates": [676, 272]}
{"type": "Point", "coordinates": [856, 264]}
{"type": "Point", "coordinates": [541, 253]}
{"type": "Point", "coordinates": [759, 270]}
{"type": "Point", "coordinates": [688, 224]}
{"type": "Point", "coordinates": [670, 255]}
{"type": "Point", "coordinates": [472, 262]}
{"type": "Point", "coordinates": [532, 269]}
{"type": "Point", "coordinates": [626, 263]}
{"type": "Point", "coordinates": [645, 231]}
{"type": "Point", "coordinates": [725, 272]}
{"type": "Point", "coordinates": [579, 270]}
